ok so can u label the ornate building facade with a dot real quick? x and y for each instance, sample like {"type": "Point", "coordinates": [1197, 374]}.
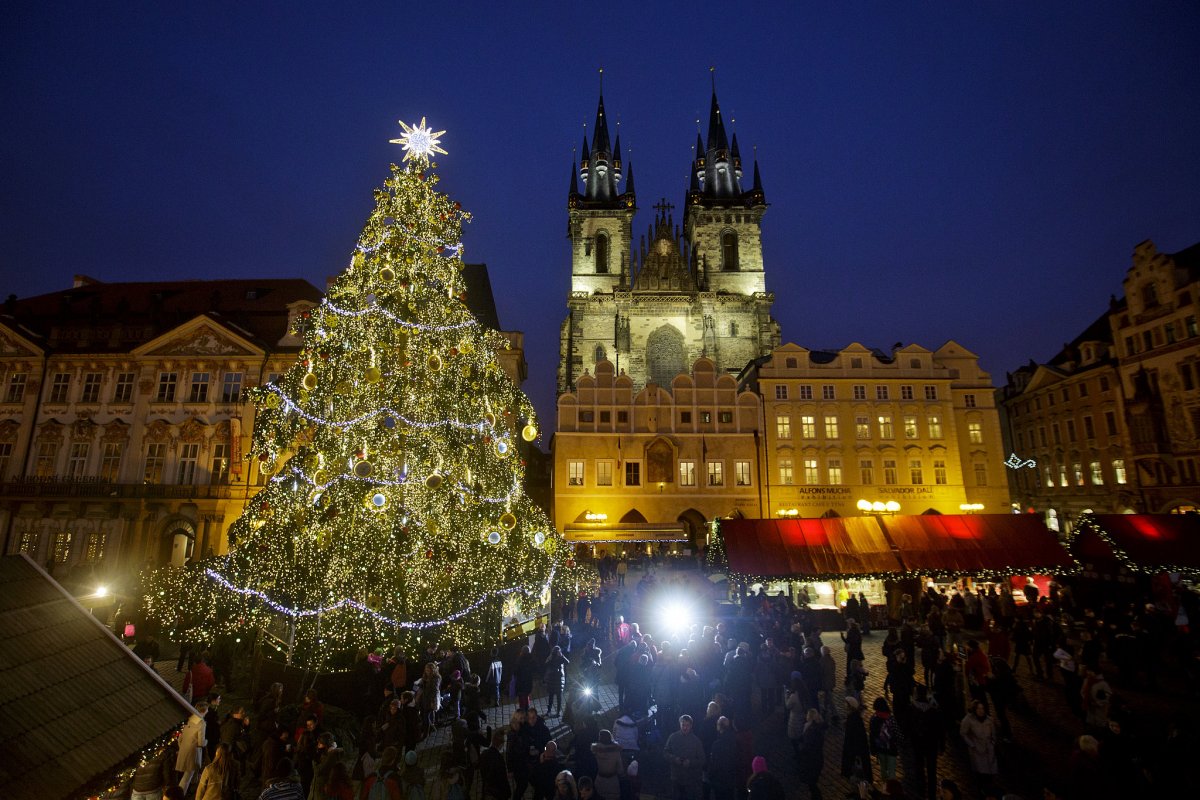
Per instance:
{"type": "Point", "coordinates": [680, 293]}
{"type": "Point", "coordinates": [123, 426]}
{"type": "Point", "coordinates": [1113, 420]}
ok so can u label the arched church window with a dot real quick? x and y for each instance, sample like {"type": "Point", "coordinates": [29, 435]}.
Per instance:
{"type": "Point", "coordinates": [733, 329]}
{"type": "Point", "coordinates": [729, 251]}
{"type": "Point", "coordinates": [601, 253]}
{"type": "Point", "coordinates": [600, 353]}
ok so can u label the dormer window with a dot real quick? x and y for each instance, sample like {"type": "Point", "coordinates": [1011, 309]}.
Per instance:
{"type": "Point", "coordinates": [1149, 296]}
{"type": "Point", "coordinates": [729, 251]}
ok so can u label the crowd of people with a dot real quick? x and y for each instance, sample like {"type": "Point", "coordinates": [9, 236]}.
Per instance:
{"type": "Point", "coordinates": [694, 697]}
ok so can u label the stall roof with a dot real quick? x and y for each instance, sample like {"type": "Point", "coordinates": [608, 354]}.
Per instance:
{"type": "Point", "coordinates": [839, 547]}
{"type": "Point", "coordinates": [965, 544]}
{"type": "Point", "coordinates": [1146, 542]}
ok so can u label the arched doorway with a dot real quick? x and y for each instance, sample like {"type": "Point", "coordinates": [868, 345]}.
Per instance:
{"type": "Point", "coordinates": [697, 529]}
{"type": "Point", "coordinates": [177, 544]}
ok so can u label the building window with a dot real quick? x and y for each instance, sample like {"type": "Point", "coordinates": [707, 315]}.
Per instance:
{"type": "Point", "coordinates": [889, 472]}
{"type": "Point", "coordinates": [725, 417]}
{"type": "Point", "coordinates": [604, 473]}
{"type": "Point", "coordinates": [733, 329]}
{"type": "Point", "coordinates": [189, 454]}
{"type": "Point", "coordinates": [91, 388]}
{"type": "Point", "coordinates": [939, 472]}
{"type": "Point", "coordinates": [806, 392]}
{"type": "Point", "coordinates": [30, 542]}
{"type": "Point", "coordinates": [866, 472]}
{"type": "Point", "coordinates": [716, 473]}
{"type": "Point", "coordinates": [1149, 295]}
{"type": "Point", "coordinates": [687, 473]}
{"type": "Point", "coordinates": [166, 387]}
{"type": "Point", "coordinates": [741, 473]}
{"type": "Point", "coordinates": [781, 391]}
{"type": "Point", "coordinates": [975, 432]}
{"type": "Point", "coordinates": [5, 458]}
{"type": "Point", "coordinates": [1097, 473]}
{"type": "Point", "coordinates": [1062, 476]}
{"type": "Point", "coordinates": [931, 392]}
{"type": "Point", "coordinates": [835, 472]}
{"type": "Point", "coordinates": [231, 387]}
{"type": "Point", "coordinates": [1104, 383]}
{"type": "Point", "coordinates": [969, 400]}
{"type": "Point", "coordinates": [123, 393]}
{"type": "Point", "coordinates": [828, 392]}
{"type": "Point", "coordinates": [633, 473]}
{"type": "Point", "coordinates": [60, 388]}
{"type": "Point", "coordinates": [1070, 430]}
{"type": "Point", "coordinates": [574, 473]}
{"type": "Point", "coordinates": [1055, 433]}
{"type": "Point", "coordinates": [812, 475]}
{"type": "Point", "coordinates": [729, 251]}
{"type": "Point", "coordinates": [808, 427]}
{"type": "Point", "coordinates": [110, 462]}
{"type": "Point", "coordinates": [62, 547]}
{"type": "Point", "coordinates": [785, 471]}
{"type": "Point", "coordinates": [783, 427]}
{"type": "Point", "coordinates": [910, 427]}
{"type": "Point", "coordinates": [622, 417]}
{"type": "Point", "coordinates": [1110, 422]}
{"type": "Point", "coordinates": [218, 473]}
{"type": "Point", "coordinates": [685, 418]}
{"type": "Point", "coordinates": [862, 428]}
{"type": "Point", "coordinates": [16, 388]}
{"type": "Point", "coordinates": [916, 474]}
{"type": "Point", "coordinates": [1119, 471]}
{"type": "Point", "coordinates": [935, 426]}
{"type": "Point", "coordinates": [885, 426]}
{"type": "Point", "coordinates": [1089, 428]}
{"type": "Point", "coordinates": [981, 474]}
{"type": "Point", "coordinates": [906, 393]}
{"type": "Point", "coordinates": [94, 552]}
{"type": "Point", "coordinates": [706, 417]}
{"type": "Point", "coordinates": [831, 426]}
{"type": "Point", "coordinates": [601, 253]}
{"type": "Point", "coordinates": [1042, 436]}
{"type": "Point", "coordinates": [77, 460]}
{"type": "Point", "coordinates": [1077, 470]}
{"type": "Point", "coordinates": [587, 416]}
{"type": "Point", "coordinates": [47, 460]}
{"type": "Point", "coordinates": [199, 388]}
{"type": "Point", "coordinates": [856, 363]}
{"type": "Point", "coordinates": [860, 391]}
{"type": "Point", "coordinates": [155, 457]}
{"type": "Point", "coordinates": [1083, 390]}
{"type": "Point", "coordinates": [605, 417]}
{"type": "Point", "coordinates": [790, 363]}
{"type": "Point", "coordinates": [881, 393]}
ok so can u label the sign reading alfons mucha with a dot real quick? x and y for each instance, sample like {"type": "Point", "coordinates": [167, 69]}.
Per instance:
{"type": "Point", "coordinates": [813, 501]}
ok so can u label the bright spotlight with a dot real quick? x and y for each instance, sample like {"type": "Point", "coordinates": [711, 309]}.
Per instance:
{"type": "Point", "coordinates": [675, 616]}
{"type": "Point", "coordinates": [101, 591]}
{"type": "Point", "coordinates": [587, 691]}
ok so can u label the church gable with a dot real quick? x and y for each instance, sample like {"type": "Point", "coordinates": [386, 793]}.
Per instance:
{"type": "Point", "coordinates": [199, 337]}
{"type": "Point", "coordinates": [663, 267]}
{"type": "Point", "coordinates": [14, 345]}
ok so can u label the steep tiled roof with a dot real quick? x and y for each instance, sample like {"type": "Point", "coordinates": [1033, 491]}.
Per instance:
{"type": "Point", "coordinates": [75, 703]}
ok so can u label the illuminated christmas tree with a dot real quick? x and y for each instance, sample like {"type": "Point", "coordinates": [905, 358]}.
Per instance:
{"type": "Point", "coordinates": [395, 510]}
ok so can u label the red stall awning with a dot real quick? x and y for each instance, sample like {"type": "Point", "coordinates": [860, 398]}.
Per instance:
{"type": "Point", "coordinates": [1145, 542]}
{"type": "Point", "coordinates": [973, 544]}
{"type": "Point", "coordinates": [829, 549]}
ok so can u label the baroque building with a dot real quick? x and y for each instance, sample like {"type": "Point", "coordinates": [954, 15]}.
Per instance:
{"type": "Point", "coordinates": [1113, 420]}
{"type": "Point", "coordinates": [680, 292]}
{"type": "Point", "coordinates": [123, 424]}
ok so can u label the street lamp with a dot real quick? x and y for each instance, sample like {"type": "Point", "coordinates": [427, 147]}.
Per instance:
{"type": "Point", "coordinates": [970, 508]}
{"type": "Point", "coordinates": [878, 507]}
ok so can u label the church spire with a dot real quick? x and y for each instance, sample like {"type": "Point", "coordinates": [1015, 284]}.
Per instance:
{"type": "Point", "coordinates": [604, 163]}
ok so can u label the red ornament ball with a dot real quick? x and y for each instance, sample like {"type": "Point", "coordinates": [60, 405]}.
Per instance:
{"type": "Point", "coordinates": [262, 456]}
{"type": "Point", "coordinates": [458, 206]}
{"type": "Point", "coordinates": [570, 563]}
{"type": "Point", "coordinates": [429, 554]}
{"type": "Point", "coordinates": [453, 351]}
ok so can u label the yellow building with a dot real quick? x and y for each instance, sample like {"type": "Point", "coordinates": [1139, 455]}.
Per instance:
{"type": "Point", "coordinates": [656, 464]}
{"type": "Point", "coordinates": [916, 429]}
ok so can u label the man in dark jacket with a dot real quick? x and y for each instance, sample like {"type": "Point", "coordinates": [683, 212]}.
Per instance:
{"type": "Point", "coordinates": [928, 729]}
{"type": "Point", "coordinates": [723, 762]}
{"type": "Point", "coordinates": [493, 772]}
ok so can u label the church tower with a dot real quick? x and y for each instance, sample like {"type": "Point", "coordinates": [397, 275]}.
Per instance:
{"type": "Point", "coordinates": [652, 307]}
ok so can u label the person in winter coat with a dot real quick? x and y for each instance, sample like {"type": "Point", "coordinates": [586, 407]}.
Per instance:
{"type": "Point", "coordinates": [523, 674]}
{"type": "Point", "coordinates": [609, 767]}
{"type": "Point", "coordinates": [387, 772]}
{"type": "Point", "coordinates": [856, 751]}
{"type": "Point", "coordinates": [556, 679]}
{"type": "Point", "coordinates": [927, 729]}
{"type": "Point", "coordinates": [191, 746]}
{"type": "Point", "coordinates": [199, 680]}
{"type": "Point", "coordinates": [220, 778]}
{"type": "Point", "coordinates": [763, 785]}
{"type": "Point", "coordinates": [884, 738]}
{"type": "Point", "coordinates": [978, 731]}
{"type": "Point", "coordinates": [856, 680]}
{"type": "Point", "coordinates": [685, 753]}
{"type": "Point", "coordinates": [723, 762]}
{"type": "Point", "coordinates": [493, 773]}
{"type": "Point", "coordinates": [428, 693]}
{"type": "Point", "coordinates": [854, 643]}
{"type": "Point", "coordinates": [828, 681]}
{"type": "Point", "coordinates": [795, 715]}
{"type": "Point", "coordinates": [811, 755]}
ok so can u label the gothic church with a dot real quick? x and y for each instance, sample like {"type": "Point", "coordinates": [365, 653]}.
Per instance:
{"type": "Point", "coordinates": [653, 308]}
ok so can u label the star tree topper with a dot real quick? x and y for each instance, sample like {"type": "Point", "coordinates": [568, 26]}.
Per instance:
{"type": "Point", "coordinates": [419, 141]}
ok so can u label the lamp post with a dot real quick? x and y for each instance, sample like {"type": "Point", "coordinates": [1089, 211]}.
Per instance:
{"type": "Point", "coordinates": [878, 507]}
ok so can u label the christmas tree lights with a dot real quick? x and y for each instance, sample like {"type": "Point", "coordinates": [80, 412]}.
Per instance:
{"type": "Point", "coordinates": [396, 505]}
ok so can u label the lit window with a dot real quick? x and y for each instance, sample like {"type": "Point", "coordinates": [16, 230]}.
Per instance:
{"type": "Point", "coordinates": [862, 428]}
{"type": "Point", "coordinates": [741, 471]}
{"type": "Point", "coordinates": [910, 427]}
{"type": "Point", "coordinates": [915, 472]}
{"type": "Point", "coordinates": [716, 473]}
{"type": "Point", "coordinates": [574, 473]}
{"type": "Point", "coordinates": [939, 472]}
{"type": "Point", "coordinates": [812, 475]}
{"type": "Point", "coordinates": [110, 462]}
{"type": "Point", "coordinates": [1062, 476]}
{"type": "Point", "coordinates": [218, 473]}
{"type": "Point", "coordinates": [785, 471]}
{"type": "Point", "coordinates": [935, 426]}
{"type": "Point", "coordinates": [687, 473]}
{"type": "Point", "coordinates": [1119, 470]}
{"type": "Point", "coordinates": [94, 552]}
{"type": "Point", "coordinates": [77, 461]}
{"type": "Point", "coordinates": [1097, 473]}
{"type": "Point", "coordinates": [889, 472]}
{"type": "Point", "coordinates": [885, 426]}
{"type": "Point", "coordinates": [783, 427]}
{"type": "Point", "coordinates": [835, 472]}
{"type": "Point", "coordinates": [62, 547]}
{"type": "Point", "coordinates": [808, 427]}
{"type": "Point", "coordinates": [975, 432]}
{"type": "Point", "coordinates": [831, 426]}
{"type": "Point", "coordinates": [604, 473]}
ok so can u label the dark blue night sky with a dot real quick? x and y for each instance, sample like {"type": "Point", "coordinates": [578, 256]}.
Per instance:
{"type": "Point", "coordinates": [967, 170]}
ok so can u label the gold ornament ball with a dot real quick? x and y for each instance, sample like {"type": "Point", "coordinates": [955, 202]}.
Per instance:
{"type": "Point", "coordinates": [320, 477]}
{"type": "Point", "coordinates": [344, 387]}
{"type": "Point", "coordinates": [363, 469]}
{"type": "Point", "coordinates": [387, 274]}
{"type": "Point", "coordinates": [529, 432]}
{"type": "Point", "coordinates": [373, 375]}
{"type": "Point", "coordinates": [434, 363]}
{"type": "Point", "coordinates": [490, 419]}
{"type": "Point", "coordinates": [271, 400]}
{"type": "Point", "coordinates": [434, 480]}
{"type": "Point", "coordinates": [309, 382]}
{"type": "Point", "coordinates": [508, 521]}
